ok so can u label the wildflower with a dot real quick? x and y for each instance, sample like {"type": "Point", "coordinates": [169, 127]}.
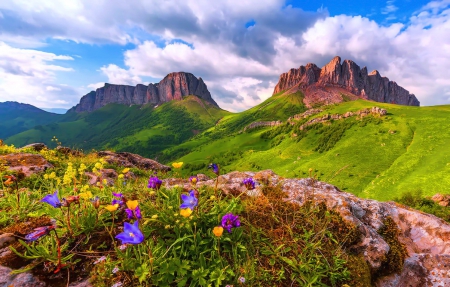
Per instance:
{"type": "Point", "coordinates": [86, 195]}
{"type": "Point", "coordinates": [229, 221]}
{"type": "Point", "coordinates": [52, 175]}
{"type": "Point", "coordinates": [152, 192]}
{"type": "Point", "coordinates": [45, 176]}
{"type": "Point", "coordinates": [133, 209]}
{"type": "Point", "coordinates": [193, 180]}
{"type": "Point", "coordinates": [155, 216]}
{"type": "Point", "coordinates": [249, 183]}
{"type": "Point", "coordinates": [105, 181]}
{"type": "Point", "coordinates": [123, 247]}
{"type": "Point", "coordinates": [215, 168]}
{"type": "Point", "coordinates": [39, 232]}
{"type": "Point", "coordinates": [212, 197]}
{"type": "Point", "coordinates": [121, 176]}
{"type": "Point", "coordinates": [120, 201]}
{"type": "Point", "coordinates": [189, 201]}
{"type": "Point", "coordinates": [131, 234]}
{"type": "Point", "coordinates": [115, 270]}
{"type": "Point", "coordinates": [186, 212]}
{"type": "Point", "coordinates": [96, 202]}
{"type": "Point", "coordinates": [241, 280]}
{"type": "Point", "coordinates": [125, 170]}
{"type": "Point", "coordinates": [52, 199]}
{"type": "Point", "coordinates": [11, 179]}
{"type": "Point", "coordinates": [177, 164]}
{"type": "Point", "coordinates": [154, 182]}
{"type": "Point", "coordinates": [98, 165]}
{"type": "Point", "coordinates": [70, 199]}
{"type": "Point", "coordinates": [218, 230]}
{"type": "Point", "coordinates": [101, 259]}
{"type": "Point", "coordinates": [112, 208]}
{"type": "Point", "coordinates": [167, 226]}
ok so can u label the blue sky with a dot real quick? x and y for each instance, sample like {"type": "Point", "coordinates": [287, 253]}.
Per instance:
{"type": "Point", "coordinates": [51, 55]}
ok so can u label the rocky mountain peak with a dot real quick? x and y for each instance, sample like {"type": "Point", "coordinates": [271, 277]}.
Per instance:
{"type": "Point", "coordinates": [336, 82]}
{"type": "Point", "coordinates": [174, 86]}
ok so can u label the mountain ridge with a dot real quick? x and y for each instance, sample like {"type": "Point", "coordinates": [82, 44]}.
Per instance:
{"type": "Point", "coordinates": [336, 82]}
{"type": "Point", "coordinates": [174, 86]}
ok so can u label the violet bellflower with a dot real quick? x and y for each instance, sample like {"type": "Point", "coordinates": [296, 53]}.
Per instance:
{"type": "Point", "coordinates": [131, 234]}
{"type": "Point", "coordinates": [39, 232]}
{"type": "Point", "coordinates": [154, 182]}
{"type": "Point", "coordinates": [229, 221]}
{"type": "Point", "coordinates": [215, 168]}
{"type": "Point", "coordinates": [249, 183]}
{"type": "Point", "coordinates": [52, 199]}
{"type": "Point", "coordinates": [189, 201]}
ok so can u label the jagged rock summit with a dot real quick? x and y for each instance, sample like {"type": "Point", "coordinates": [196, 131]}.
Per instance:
{"type": "Point", "coordinates": [336, 82]}
{"type": "Point", "coordinates": [174, 86]}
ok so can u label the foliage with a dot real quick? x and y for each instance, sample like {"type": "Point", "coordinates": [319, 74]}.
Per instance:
{"type": "Point", "coordinates": [416, 200]}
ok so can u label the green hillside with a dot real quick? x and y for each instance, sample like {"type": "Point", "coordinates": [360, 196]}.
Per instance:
{"type": "Point", "coordinates": [376, 157]}
{"type": "Point", "coordinates": [140, 129]}
{"type": "Point", "coordinates": [16, 117]}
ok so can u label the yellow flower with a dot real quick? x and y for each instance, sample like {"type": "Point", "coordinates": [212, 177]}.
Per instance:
{"type": "Point", "coordinates": [52, 175]}
{"type": "Point", "coordinates": [98, 165]}
{"type": "Point", "coordinates": [45, 176]}
{"type": "Point", "coordinates": [186, 212]}
{"type": "Point", "coordinates": [120, 176]}
{"type": "Point", "coordinates": [86, 195]}
{"type": "Point", "coordinates": [105, 181]}
{"type": "Point", "coordinates": [132, 204]}
{"type": "Point", "coordinates": [218, 230]}
{"type": "Point", "coordinates": [167, 226]}
{"type": "Point", "coordinates": [112, 208]}
{"type": "Point", "coordinates": [125, 170]}
{"type": "Point", "coordinates": [212, 197]}
{"type": "Point", "coordinates": [152, 192]}
{"type": "Point", "coordinates": [177, 164]}
{"type": "Point", "coordinates": [155, 216]}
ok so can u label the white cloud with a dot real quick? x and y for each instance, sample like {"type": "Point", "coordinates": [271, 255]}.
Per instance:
{"type": "Point", "coordinates": [95, 86]}
{"type": "Point", "coordinates": [28, 76]}
{"type": "Point", "coordinates": [240, 66]}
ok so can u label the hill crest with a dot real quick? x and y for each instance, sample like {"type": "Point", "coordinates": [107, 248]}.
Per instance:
{"type": "Point", "coordinates": [336, 82]}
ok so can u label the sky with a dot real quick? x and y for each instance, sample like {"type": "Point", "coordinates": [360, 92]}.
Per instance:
{"type": "Point", "coordinates": [54, 52]}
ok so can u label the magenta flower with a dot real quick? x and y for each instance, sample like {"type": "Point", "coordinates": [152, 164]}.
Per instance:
{"type": "Point", "coordinates": [154, 182]}
{"type": "Point", "coordinates": [229, 221]}
{"type": "Point", "coordinates": [39, 232]}
{"type": "Point", "coordinates": [249, 183]}
{"type": "Point", "coordinates": [189, 201]}
{"type": "Point", "coordinates": [120, 201]}
{"type": "Point", "coordinates": [52, 199]}
{"type": "Point", "coordinates": [131, 234]}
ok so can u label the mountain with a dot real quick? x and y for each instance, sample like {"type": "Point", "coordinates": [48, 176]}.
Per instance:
{"type": "Point", "coordinates": [175, 86]}
{"type": "Point", "coordinates": [336, 82]}
{"type": "Point", "coordinates": [17, 117]}
{"type": "Point", "coordinates": [144, 129]}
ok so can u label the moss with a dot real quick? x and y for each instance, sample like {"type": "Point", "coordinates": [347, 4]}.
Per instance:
{"type": "Point", "coordinates": [359, 270]}
{"type": "Point", "coordinates": [395, 258]}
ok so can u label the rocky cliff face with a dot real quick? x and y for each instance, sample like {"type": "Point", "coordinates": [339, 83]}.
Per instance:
{"type": "Point", "coordinates": [174, 86]}
{"type": "Point", "coordinates": [336, 82]}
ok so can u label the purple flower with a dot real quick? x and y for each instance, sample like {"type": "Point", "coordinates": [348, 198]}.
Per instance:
{"type": "Point", "coordinates": [134, 213]}
{"type": "Point", "coordinates": [189, 201]}
{"type": "Point", "coordinates": [154, 182]}
{"type": "Point", "coordinates": [120, 201]}
{"type": "Point", "coordinates": [229, 221]}
{"type": "Point", "coordinates": [131, 234]}
{"type": "Point", "coordinates": [39, 232]}
{"type": "Point", "coordinates": [249, 183]}
{"type": "Point", "coordinates": [52, 199]}
{"type": "Point", "coordinates": [215, 168]}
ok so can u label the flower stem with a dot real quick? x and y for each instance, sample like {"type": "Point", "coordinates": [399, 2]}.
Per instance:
{"type": "Point", "coordinates": [68, 219]}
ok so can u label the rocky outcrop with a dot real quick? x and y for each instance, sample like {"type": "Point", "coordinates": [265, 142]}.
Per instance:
{"type": "Point", "coordinates": [426, 237]}
{"type": "Point", "coordinates": [174, 86]}
{"type": "Point", "coordinates": [262, 124]}
{"type": "Point", "coordinates": [336, 82]}
{"type": "Point", "coordinates": [441, 199]}
{"type": "Point", "coordinates": [35, 146]}
{"type": "Point", "coordinates": [25, 162]}
{"type": "Point", "coordinates": [127, 159]}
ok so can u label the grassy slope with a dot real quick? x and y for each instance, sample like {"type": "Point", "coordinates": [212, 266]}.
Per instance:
{"type": "Point", "coordinates": [143, 130]}
{"type": "Point", "coordinates": [22, 117]}
{"type": "Point", "coordinates": [368, 160]}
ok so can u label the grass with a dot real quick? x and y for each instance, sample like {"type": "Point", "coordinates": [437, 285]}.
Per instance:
{"type": "Point", "coordinates": [278, 243]}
